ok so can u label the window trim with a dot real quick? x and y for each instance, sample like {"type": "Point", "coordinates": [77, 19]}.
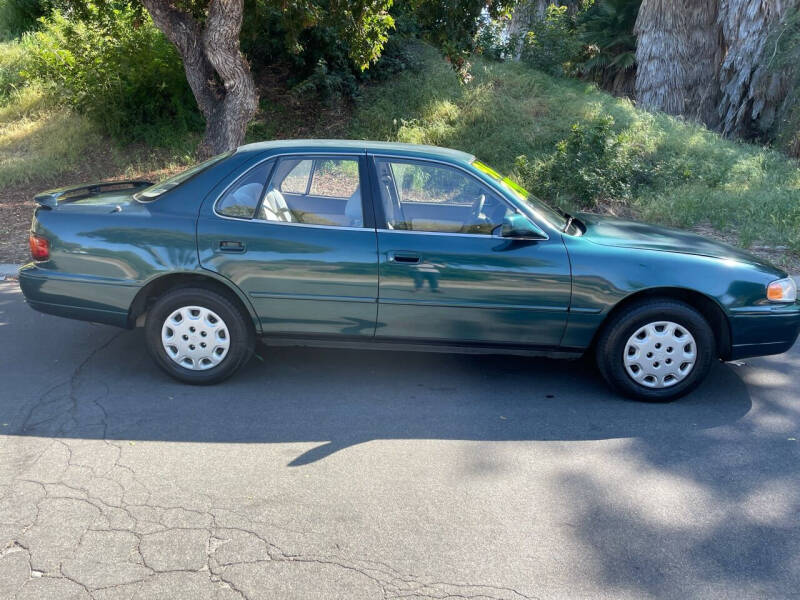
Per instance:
{"type": "Point", "coordinates": [382, 224]}
{"type": "Point", "coordinates": [363, 176]}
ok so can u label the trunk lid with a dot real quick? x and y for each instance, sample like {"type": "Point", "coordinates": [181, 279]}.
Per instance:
{"type": "Point", "coordinates": [102, 193]}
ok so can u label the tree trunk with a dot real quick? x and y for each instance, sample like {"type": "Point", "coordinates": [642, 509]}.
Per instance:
{"type": "Point", "coordinates": [751, 92]}
{"type": "Point", "coordinates": [678, 53]}
{"type": "Point", "coordinates": [216, 70]}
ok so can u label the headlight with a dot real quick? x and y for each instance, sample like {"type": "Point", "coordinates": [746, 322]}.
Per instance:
{"type": "Point", "coordinates": [783, 290]}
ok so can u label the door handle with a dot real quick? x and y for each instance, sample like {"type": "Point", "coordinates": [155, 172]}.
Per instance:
{"type": "Point", "coordinates": [231, 246]}
{"type": "Point", "coordinates": [405, 258]}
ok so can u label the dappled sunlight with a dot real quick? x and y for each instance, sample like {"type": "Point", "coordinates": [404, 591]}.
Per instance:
{"type": "Point", "coordinates": [51, 142]}
{"type": "Point", "coordinates": [687, 505]}
{"type": "Point", "coordinates": [774, 503]}
{"type": "Point", "coordinates": [25, 102]}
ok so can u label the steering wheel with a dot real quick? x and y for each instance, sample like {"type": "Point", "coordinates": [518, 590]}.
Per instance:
{"type": "Point", "coordinates": [477, 207]}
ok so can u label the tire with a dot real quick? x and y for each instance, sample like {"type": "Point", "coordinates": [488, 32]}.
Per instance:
{"type": "Point", "coordinates": [633, 365]}
{"type": "Point", "coordinates": [226, 335]}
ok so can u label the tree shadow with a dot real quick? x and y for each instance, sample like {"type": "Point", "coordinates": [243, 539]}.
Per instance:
{"type": "Point", "coordinates": [341, 398]}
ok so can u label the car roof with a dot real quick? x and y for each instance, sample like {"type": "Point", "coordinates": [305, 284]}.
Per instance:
{"type": "Point", "coordinates": [373, 147]}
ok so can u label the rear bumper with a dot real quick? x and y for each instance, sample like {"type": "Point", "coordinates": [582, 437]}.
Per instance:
{"type": "Point", "coordinates": [75, 298]}
{"type": "Point", "coordinates": [769, 332]}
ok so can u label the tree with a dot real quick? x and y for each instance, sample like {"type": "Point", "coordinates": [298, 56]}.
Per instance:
{"type": "Point", "coordinates": [678, 55]}
{"type": "Point", "coordinates": [452, 24]}
{"type": "Point", "coordinates": [751, 92]}
{"type": "Point", "coordinates": [606, 28]}
{"type": "Point", "coordinates": [527, 11]}
{"type": "Point", "coordinates": [206, 35]}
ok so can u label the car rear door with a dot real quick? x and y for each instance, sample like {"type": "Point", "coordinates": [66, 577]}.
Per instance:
{"type": "Point", "coordinates": [291, 232]}
{"type": "Point", "coordinates": [444, 276]}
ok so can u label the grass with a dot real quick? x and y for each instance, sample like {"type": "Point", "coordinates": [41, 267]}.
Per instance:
{"type": "Point", "coordinates": [43, 144]}
{"type": "Point", "coordinates": [745, 192]}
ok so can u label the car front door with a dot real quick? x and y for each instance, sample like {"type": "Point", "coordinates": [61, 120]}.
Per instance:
{"type": "Point", "coordinates": [445, 272]}
{"type": "Point", "coordinates": [290, 232]}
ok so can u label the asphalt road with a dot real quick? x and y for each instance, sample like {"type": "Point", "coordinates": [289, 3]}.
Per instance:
{"type": "Point", "coordinates": [344, 474]}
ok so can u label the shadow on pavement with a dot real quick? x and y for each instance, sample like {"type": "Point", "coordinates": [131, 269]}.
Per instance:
{"type": "Point", "coordinates": [341, 398]}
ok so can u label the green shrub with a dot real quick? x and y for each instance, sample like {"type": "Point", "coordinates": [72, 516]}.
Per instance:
{"type": "Point", "coordinates": [19, 16]}
{"type": "Point", "coordinates": [592, 165]}
{"type": "Point", "coordinates": [491, 42]}
{"type": "Point", "coordinates": [552, 44]}
{"type": "Point", "coordinates": [119, 70]}
{"type": "Point", "coordinates": [13, 60]}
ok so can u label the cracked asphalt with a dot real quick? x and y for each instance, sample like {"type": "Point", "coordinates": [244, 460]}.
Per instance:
{"type": "Point", "coordinates": [343, 474]}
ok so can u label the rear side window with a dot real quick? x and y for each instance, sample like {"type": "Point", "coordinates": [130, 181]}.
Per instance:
{"type": "Point", "coordinates": [242, 198]}
{"type": "Point", "coordinates": [296, 182]}
{"type": "Point", "coordinates": [314, 191]}
{"type": "Point", "coordinates": [335, 178]}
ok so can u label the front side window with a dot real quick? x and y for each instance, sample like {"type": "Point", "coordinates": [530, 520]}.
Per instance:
{"type": "Point", "coordinates": [420, 196]}
{"type": "Point", "coordinates": [537, 207]}
{"type": "Point", "coordinates": [315, 191]}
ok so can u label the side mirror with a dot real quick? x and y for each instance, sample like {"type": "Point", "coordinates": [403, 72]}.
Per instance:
{"type": "Point", "coordinates": [518, 226]}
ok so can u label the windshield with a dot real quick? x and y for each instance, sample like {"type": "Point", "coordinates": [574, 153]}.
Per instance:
{"type": "Point", "coordinates": [539, 209]}
{"type": "Point", "coordinates": [154, 191]}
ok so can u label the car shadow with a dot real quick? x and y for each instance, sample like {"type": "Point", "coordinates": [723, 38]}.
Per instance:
{"type": "Point", "coordinates": [341, 398]}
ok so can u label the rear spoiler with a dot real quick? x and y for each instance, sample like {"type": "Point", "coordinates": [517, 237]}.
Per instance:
{"type": "Point", "coordinates": [51, 198]}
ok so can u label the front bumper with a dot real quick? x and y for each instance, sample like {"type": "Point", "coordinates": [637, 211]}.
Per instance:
{"type": "Point", "coordinates": [773, 330]}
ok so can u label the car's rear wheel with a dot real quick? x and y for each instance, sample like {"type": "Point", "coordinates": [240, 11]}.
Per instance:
{"type": "Point", "coordinates": [198, 335]}
{"type": "Point", "coordinates": [656, 350]}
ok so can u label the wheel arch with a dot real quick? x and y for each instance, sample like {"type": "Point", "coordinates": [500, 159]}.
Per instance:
{"type": "Point", "coordinates": [707, 306]}
{"type": "Point", "coordinates": [162, 284]}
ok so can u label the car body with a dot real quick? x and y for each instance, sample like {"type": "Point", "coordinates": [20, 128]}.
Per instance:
{"type": "Point", "coordinates": [352, 243]}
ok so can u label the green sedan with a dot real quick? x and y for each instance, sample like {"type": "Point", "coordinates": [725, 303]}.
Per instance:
{"type": "Point", "coordinates": [381, 245]}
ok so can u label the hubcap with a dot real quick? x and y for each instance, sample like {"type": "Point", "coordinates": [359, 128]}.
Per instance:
{"type": "Point", "coordinates": [660, 354]}
{"type": "Point", "coordinates": [195, 338]}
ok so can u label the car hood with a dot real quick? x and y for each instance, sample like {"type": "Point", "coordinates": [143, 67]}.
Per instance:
{"type": "Point", "coordinates": [609, 231]}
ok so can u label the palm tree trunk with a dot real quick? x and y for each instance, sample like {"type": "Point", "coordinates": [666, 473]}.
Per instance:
{"type": "Point", "coordinates": [678, 52]}
{"type": "Point", "coordinates": [751, 92]}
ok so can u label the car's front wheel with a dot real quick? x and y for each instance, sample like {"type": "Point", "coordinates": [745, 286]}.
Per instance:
{"type": "Point", "coordinates": [198, 335]}
{"type": "Point", "coordinates": [656, 350]}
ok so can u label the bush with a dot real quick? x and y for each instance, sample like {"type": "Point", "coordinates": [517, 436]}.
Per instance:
{"type": "Point", "coordinates": [318, 59]}
{"type": "Point", "coordinates": [120, 71]}
{"type": "Point", "coordinates": [592, 165]}
{"type": "Point", "coordinates": [552, 44]}
{"type": "Point", "coordinates": [491, 42]}
{"type": "Point", "coordinates": [20, 16]}
{"type": "Point", "coordinates": [12, 65]}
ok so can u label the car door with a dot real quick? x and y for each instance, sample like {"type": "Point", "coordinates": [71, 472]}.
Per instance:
{"type": "Point", "coordinates": [446, 274]}
{"type": "Point", "coordinates": [291, 233]}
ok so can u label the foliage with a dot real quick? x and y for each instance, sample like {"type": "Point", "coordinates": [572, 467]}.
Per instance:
{"type": "Point", "coordinates": [592, 165]}
{"type": "Point", "coordinates": [654, 166]}
{"type": "Point", "coordinates": [606, 30]}
{"type": "Point", "coordinates": [491, 41]}
{"type": "Point", "coordinates": [13, 59]}
{"type": "Point", "coordinates": [119, 70]}
{"type": "Point", "coordinates": [451, 26]}
{"type": "Point", "coordinates": [20, 16]}
{"type": "Point", "coordinates": [783, 56]}
{"type": "Point", "coordinates": [318, 59]}
{"type": "Point", "coordinates": [552, 44]}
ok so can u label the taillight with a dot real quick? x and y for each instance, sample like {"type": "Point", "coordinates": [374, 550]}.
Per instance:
{"type": "Point", "coordinates": [40, 247]}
